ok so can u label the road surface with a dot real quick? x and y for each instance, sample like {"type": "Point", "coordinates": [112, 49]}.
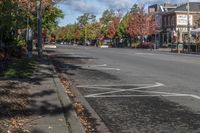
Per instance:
{"type": "Point", "coordinates": [136, 91]}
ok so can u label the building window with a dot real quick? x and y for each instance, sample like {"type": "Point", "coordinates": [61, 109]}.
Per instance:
{"type": "Point", "coordinates": [165, 21]}
{"type": "Point", "coordinates": [173, 21]}
{"type": "Point", "coordinates": [169, 22]}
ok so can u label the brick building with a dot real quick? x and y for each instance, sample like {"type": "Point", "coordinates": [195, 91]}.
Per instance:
{"type": "Point", "coordinates": [175, 23]}
{"type": "Point", "coordinates": [158, 11]}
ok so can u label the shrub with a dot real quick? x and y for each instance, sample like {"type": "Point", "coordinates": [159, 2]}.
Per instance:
{"type": "Point", "coordinates": [17, 48]}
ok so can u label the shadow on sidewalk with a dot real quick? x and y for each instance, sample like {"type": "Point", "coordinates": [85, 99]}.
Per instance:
{"type": "Point", "coordinates": [16, 101]}
{"type": "Point", "coordinates": [25, 104]}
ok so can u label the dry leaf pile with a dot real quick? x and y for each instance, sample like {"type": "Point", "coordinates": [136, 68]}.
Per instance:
{"type": "Point", "coordinates": [67, 85]}
{"type": "Point", "coordinates": [85, 117]}
{"type": "Point", "coordinates": [13, 105]}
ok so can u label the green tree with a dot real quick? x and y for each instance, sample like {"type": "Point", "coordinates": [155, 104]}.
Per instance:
{"type": "Point", "coordinates": [122, 28]}
{"type": "Point", "coordinates": [50, 17]}
{"type": "Point", "coordinates": [14, 14]}
{"type": "Point", "coordinates": [85, 19]}
{"type": "Point", "coordinates": [134, 9]}
{"type": "Point", "coordinates": [106, 18]}
{"type": "Point", "coordinates": [10, 19]}
{"type": "Point", "coordinates": [84, 23]}
{"type": "Point", "coordinates": [93, 31]}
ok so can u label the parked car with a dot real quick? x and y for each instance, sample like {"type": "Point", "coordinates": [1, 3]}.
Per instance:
{"type": "Point", "coordinates": [104, 46]}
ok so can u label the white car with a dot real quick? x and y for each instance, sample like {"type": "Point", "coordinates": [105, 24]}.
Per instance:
{"type": "Point", "coordinates": [104, 46]}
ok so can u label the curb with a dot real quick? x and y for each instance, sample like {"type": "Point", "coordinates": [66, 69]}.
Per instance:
{"type": "Point", "coordinates": [101, 127]}
{"type": "Point", "coordinates": [71, 117]}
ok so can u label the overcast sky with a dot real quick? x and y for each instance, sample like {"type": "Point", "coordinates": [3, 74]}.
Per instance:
{"type": "Point", "coordinates": [74, 8]}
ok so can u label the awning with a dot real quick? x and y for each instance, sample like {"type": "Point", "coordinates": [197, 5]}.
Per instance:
{"type": "Point", "coordinates": [195, 31]}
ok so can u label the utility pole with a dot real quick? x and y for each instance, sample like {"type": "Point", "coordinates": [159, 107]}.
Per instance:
{"type": "Point", "coordinates": [39, 27]}
{"type": "Point", "coordinates": [188, 24]}
{"type": "Point", "coordinates": [85, 30]}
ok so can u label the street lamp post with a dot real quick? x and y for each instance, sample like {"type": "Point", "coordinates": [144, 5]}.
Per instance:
{"type": "Point", "coordinates": [188, 24]}
{"type": "Point", "coordinates": [85, 30]}
{"type": "Point", "coordinates": [39, 28]}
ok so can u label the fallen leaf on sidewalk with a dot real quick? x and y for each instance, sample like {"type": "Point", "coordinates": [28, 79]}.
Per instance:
{"type": "Point", "coordinates": [84, 116]}
{"type": "Point", "coordinates": [13, 103]}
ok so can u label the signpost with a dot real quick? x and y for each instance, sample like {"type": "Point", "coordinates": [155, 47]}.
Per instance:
{"type": "Point", "coordinates": [29, 41]}
{"type": "Point", "coordinates": [180, 48]}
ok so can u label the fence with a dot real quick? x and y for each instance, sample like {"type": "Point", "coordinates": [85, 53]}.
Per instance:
{"type": "Point", "coordinates": [187, 48]}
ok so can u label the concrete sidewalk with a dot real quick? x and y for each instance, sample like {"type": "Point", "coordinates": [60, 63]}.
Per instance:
{"type": "Point", "coordinates": [51, 109]}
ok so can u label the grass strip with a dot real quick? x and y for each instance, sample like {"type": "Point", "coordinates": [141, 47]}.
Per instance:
{"type": "Point", "coordinates": [19, 68]}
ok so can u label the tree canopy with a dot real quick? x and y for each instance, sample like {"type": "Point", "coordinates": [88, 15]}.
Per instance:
{"type": "Point", "coordinates": [112, 24]}
{"type": "Point", "coordinates": [15, 13]}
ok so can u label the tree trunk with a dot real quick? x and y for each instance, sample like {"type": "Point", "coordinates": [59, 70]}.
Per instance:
{"type": "Point", "coordinates": [39, 20]}
{"type": "Point", "coordinates": [141, 39]}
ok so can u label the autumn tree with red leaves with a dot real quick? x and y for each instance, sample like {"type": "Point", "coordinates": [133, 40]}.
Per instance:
{"type": "Point", "coordinates": [141, 24]}
{"type": "Point", "coordinates": [113, 26]}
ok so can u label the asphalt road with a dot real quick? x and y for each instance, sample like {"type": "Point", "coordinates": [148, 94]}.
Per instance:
{"type": "Point", "coordinates": [136, 91]}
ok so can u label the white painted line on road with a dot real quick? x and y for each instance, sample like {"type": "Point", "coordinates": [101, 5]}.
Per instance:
{"type": "Point", "coordinates": [100, 67]}
{"type": "Point", "coordinates": [123, 90]}
{"type": "Point", "coordinates": [106, 85]}
{"type": "Point", "coordinates": [137, 89]}
{"type": "Point", "coordinates": [144, 54]}
{"type": "Point", "coordinates": [108, 68]}
{"type": "Point", "coordinates": [103, 68]}
{"type": "Point", "coordinates": [194, 96]}
{"type": "Point", "coordinates": [115, 96]}
{"type": "Point", "coordinates": [159, 92]}
{"type": "Point", "coordinates": [99, 88]}
{"type": "Point", "coordinates": [165, 95]}
{"type": "Point", "coordinates": [103, 65]}
{"type": "Point", "coordinates": [176, 94]}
